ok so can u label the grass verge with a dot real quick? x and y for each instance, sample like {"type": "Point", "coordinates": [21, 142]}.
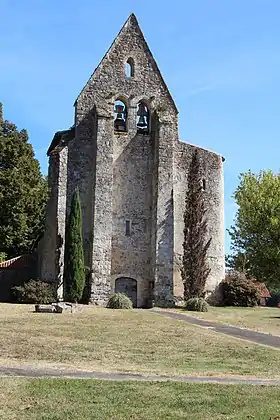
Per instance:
{"type": "Point", "coordinates": [128, 341]}
{"type": "Point", "coordinates": [53, 399]}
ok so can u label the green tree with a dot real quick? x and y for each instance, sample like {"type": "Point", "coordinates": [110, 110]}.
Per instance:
{"type": "Point", "coordinates": [255, 237]}
{"type": "Point", "coordinates": [74, 270]}
{"type": "Point", "coordinates": [3, 257]}
{"type": "Point", "coordinates": [23, 192]}
{"type": "Point", "coordinates": [195, 269]}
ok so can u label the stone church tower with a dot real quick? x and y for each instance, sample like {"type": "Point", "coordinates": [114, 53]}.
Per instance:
{"type": "Point", "coordinates": [124, 154]}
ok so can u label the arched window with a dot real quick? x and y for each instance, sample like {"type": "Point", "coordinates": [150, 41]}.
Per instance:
{"type": "Point", "coordinates": [143, 119]}
{"type": "Point", "coordinates": [129, 68]}
{"type": "Point", "coordinates": [120, 113]}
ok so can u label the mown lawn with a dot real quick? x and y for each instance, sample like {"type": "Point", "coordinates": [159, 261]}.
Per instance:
{"type": "Point", "coordinates": [128, 341]}
{"type": "Point", "coordinates": [55, 399]}
{"type": "Point", "coordinates": [259, 319]}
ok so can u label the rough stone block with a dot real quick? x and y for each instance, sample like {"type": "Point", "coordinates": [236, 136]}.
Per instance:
{"type": "Point", "coordinates": [62, 307]}
{"type": "Point", "coordinates": [44, 308]}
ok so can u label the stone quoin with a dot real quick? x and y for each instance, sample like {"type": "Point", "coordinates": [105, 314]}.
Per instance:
{"type": "Point", "coordinates": [124, 154]}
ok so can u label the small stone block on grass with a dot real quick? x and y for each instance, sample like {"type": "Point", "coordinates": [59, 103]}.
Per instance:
{"type": "Point", "coordinates": [63, 307]}
{"type": "Point", "coordinates": [58, 308]}
{"type": "Point", "coordinates": [44, 308]}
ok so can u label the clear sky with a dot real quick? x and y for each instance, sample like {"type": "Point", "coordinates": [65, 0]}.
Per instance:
{"type": "Point", "coordinates": [220, 60]}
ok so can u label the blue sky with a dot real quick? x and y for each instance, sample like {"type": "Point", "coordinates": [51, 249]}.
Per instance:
{"type": "Point", "coordinates": [220, 59]}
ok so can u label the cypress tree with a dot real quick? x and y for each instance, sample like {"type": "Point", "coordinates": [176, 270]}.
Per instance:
{"type": "Point", "coordinates": [74, 268]}
{"type": "Point", "coordinates": [195, 269]}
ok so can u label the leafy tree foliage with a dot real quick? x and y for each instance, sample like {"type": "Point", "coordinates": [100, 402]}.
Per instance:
{"type": "Point", "coordinates": [255, 237]}
{"type": "Point", "coordinates": [195, 269]}
{"type": "Point", "coordinates": [3, 256]}
{"type": "Point", "coordinates": [237, 290]}
{"type": "Point", "coordinates": [23, 192]}
{"type": "Point", "coordinates": [74, 271]}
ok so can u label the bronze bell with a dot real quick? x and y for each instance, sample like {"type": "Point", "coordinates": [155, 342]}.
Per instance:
{"type": "Point", "coordinates": [143, 114]}
{"type": "Point", "coordinates": [142, 123]}
{"type": "Point", "coordinates": [119, 123]}
{"type": "Point", "coordinates": [141, 109]}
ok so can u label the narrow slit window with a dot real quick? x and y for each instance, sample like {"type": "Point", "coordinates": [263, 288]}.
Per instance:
{"type": "Point", "coordinates": [128, 228]}
{"type": "Point", "coordinates": [129, 68]}
{"type": "Point", "coordinates": [203, 184]}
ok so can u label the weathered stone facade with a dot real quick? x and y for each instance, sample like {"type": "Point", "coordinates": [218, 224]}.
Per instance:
{"type": "Point", "coordinates": [132, 182]}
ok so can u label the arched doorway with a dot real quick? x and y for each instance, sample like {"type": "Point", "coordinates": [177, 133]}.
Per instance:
{"type": "Point", "coordinates": [127, 286]}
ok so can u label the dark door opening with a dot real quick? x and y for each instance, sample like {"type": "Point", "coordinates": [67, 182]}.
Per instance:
{"type": "Point", "coordinates": [127, 286]}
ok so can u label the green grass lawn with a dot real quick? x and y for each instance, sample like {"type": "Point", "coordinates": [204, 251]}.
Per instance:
{"type": "Point", "coordinates": [259, 319]}
{"type": "Point", "coordinates": [130, 341]}
{"type": "Point", "coordinates": [55, 399]}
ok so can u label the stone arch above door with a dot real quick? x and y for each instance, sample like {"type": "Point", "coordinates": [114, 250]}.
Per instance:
{"type": "Point", "coordinates": [128, 286]}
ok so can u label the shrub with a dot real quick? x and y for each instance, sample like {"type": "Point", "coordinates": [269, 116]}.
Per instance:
{"type": "Point", "coordinates": [274, 299]}
{"type": "Point", "coordinates": [34, 291]}
{"type": "Point", "coordinates": [197, 304]}
{"type": "Point", "coordinates": [214, 298]}
{"type": "Point", "coordinates": [237, 290]}
{"type": "Point", "coordinates": [119, 301]}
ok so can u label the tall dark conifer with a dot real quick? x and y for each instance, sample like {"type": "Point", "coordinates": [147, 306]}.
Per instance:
{"type": "Point", "coordinates": [195, 269]}
{"type": "Point", "coordinates": [74, 269]}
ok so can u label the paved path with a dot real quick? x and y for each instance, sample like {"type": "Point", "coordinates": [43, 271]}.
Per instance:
{"type": "Point", "coordinates": [30, 371]}
{"type": "Point", "coordinates": [249, 335]}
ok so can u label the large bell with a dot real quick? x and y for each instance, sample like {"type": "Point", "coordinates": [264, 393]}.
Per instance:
{"type": "Point", "coordinates": [142, 124]}
{"type": "Point", "coordinates": [119, 123]}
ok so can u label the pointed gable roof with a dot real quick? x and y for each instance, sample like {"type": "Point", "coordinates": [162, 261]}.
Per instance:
{"type": "Point", "coordinates": [133, 22]}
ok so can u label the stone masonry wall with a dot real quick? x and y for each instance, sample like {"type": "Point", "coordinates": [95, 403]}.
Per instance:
{"type": "Point", "coordinates": [81, 171]}
{"type": "Point", "coordinates": [61, 218]}
{"type": "Point", "coordinates": [132, 201]}
{"type": "Point", "coordinates": [52, 246]}
{"type": "Point", "coordinates": [102, 213]}
{"type": "Point", "coordinates": [129, 176]}
{"type": "Point", "coordinates": [109, 83]}
{"type": "Point", "coordinates": [212, 172]}
{"type": "Point", "coordinates": [164, 230]}
{"type": "Point", "coordinates": [47, 246]}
